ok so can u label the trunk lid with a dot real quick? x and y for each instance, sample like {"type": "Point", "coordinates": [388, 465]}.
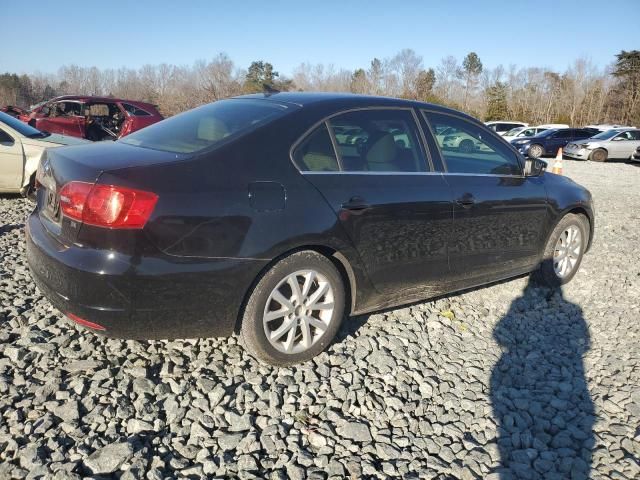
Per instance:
{"type": "Point", "coordinates": [83, 163]}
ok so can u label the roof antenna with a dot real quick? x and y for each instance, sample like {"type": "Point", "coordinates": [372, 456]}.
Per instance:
{"type": "Point", "coordinates": [269, 90]}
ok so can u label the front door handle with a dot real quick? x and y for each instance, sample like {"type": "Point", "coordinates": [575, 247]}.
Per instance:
{"type": "Point", "coordinates": [466, 201]}
{"type": "Point", "coordinates": [356, 203]}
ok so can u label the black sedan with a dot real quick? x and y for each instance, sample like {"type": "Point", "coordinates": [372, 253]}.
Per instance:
{"type": "Point", "coordinates": [275, 215]}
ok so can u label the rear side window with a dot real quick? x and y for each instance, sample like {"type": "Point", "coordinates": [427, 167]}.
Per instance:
{"type": "Point", "coordinates": [315, 153]}
{"type": "Point", "coordinates": [383, 140]}
{"type": "Point", "coordinates": [135, 111]}
{"type": "Point", "coordinates": [469, 148]}
{"type": "Point", "coordinates": [564, 134]}
{"type": "Point", "coordinates": [6, 139]}
{"type": "Point", "coordinates": [207, 126]}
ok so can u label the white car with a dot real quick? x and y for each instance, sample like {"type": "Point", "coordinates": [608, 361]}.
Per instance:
{"type": "Point", "coordinates": [614, 143]}
{"type": "Point", "coordinates": [503, 126]}
{"type": "Point", "coordinates": [522, 132]}
{"type": "Point", "coordinates": [21, 147]}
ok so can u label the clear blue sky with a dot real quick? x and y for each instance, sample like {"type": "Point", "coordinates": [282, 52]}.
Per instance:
{"type": "Point", "coordinates": [115, 33]}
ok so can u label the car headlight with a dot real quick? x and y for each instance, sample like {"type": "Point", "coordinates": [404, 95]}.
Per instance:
{"type": "Point", "coordinates": [521, 142]}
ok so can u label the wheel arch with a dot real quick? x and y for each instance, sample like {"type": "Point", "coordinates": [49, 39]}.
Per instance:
{"type": "Point", "coordinates": [339, 260]}
{"type": "Point", "coordinates": [576, 210]}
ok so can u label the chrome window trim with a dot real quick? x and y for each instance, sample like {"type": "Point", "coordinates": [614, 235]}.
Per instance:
{"type": "Point", "coordinates": [496, 135]}
{"type": "Point", "coordinates": [307, 172]}
{"type": "Point", "coordinates": [428, 163]}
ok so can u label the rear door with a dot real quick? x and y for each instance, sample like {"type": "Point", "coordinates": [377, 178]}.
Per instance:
{"type": "Point", "coordinates": [559, 139]}
{"type": "Point", "coordinates": [499, 214]}
{"type": "Point", "coordinates": [11, 161]}
{"type": "Point", "coordinates": [397, 211]}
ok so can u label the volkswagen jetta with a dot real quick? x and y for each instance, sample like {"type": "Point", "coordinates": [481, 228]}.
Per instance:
{"type": "Point", "coordinates": [274, 216]}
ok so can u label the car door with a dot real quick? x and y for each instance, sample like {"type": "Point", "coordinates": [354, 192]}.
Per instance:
{"type": "Point", "coordinates": [370, 165]}
{"type": "Point", "coordinates": [11, 161]}
{"type": "Point", "coordinates": [622, 145]}
{"type": "Point", "coordinates": [499, 214]}
{"type": "Point", "coordinates": [558, 140]}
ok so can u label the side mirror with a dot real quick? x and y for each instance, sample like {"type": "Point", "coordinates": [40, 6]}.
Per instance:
{"type": "Point", "coordinates": [534, 167]}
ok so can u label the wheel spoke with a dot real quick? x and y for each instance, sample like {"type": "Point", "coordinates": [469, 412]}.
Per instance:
{"type": "Point", "coordinates": [295, 287]}
{"type": "Point", "coordinates": [282, 300]}
{"type": "Point", "coordinates": [288, 344]}
{"type": "Point", "coordinates": [308, 282]}
{"type": "Point", "coordinates": [306, 332]}
{"type": "Point", "coordinates": [271, 316]}
{"type": "Point", "coordinates": [318, 294]}
{"type": "Point", "coordinates": [321, 306]}
{"type": "Point", "coordinates": [318, 324]}
{"type": "Point", "coordinates": [287, 326]}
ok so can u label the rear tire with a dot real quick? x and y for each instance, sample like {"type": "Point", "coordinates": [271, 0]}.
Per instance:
{"type": "Point", "coordinates": [535, 151]}
{"type": "Point", "coordinates": [564, 251]}
{"type": "Point", "coordinates": [279, 324]}
{"type": "Point", "coordinates": [599, 155]}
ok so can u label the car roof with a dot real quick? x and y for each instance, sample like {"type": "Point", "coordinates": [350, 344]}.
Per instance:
{"type": "Point", "coordinates": [347, 100]}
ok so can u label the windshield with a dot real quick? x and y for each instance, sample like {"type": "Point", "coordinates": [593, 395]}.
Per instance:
{"type": "Point", "coordinates": [206, 126]}
{"type": "Point", "coordinates": [606, 135]}
{"type": "Point", "coordinates": [21, 127]}
{"type": "Point", "coordinates": [513, 132]}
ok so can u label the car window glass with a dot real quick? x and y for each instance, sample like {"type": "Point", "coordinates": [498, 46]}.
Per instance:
{"type": "Point", "coordinates": [315, 153]}
{"type": "Point", "coordinates": [6, 139]}
{"type": "Point", "coordinates": [471, 149]}
{"type": "Point", "coordinates": [207, 126]}
{"type": "Point", "coordinates": [378, 140]}
{"type": "Point", "coordinates": [135, 111]}
{"type": "Point", "coordinates": [635, 135]}
{"type": "Point", "coordinates": [564, 134]}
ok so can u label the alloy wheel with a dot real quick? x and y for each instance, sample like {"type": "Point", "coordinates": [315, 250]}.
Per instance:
{"type": "Point", "coordinates": [298, 311]}
{"type": "Point", "coordinates": [567, 251]}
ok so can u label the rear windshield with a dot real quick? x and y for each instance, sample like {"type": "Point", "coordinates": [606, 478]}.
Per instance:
{"type": "Point", "coordinates": [206, 126]}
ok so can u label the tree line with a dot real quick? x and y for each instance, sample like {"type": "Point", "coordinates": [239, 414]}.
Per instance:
{"type": "Point", "coordinates": [584, 93]}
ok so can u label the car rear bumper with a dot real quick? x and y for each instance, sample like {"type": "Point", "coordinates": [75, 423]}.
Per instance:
{"type": "Point", "coordinates": [140, 297]}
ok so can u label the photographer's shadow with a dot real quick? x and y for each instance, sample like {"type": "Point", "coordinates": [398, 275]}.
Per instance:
{"type": "Point", "coordinates": [539, 392]}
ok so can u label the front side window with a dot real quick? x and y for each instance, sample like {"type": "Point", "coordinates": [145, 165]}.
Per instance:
{"type": "Point", "coordinates": [207, 126]}
{"type": "Point", "coordinates": [469, 148]}
{"type": "Point", "coordinates": [383, 140]}
{"type": "Point", "coordinates": [315, 153]}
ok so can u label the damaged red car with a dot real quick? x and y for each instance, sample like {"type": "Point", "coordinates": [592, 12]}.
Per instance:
{"type": "Point", "coordinates": [93, 118]}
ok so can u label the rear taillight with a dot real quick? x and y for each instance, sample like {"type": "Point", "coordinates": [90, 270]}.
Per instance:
{"type": "Point", "coordinates": [107, 206]}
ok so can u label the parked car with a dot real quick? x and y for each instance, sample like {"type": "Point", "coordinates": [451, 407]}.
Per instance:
{"type": "Point", "coordinates": [14, 111]}
{"type": "Point", "coordinates": [93, 118]}
{"type": "Point", "coordinates": [451, 138]}
{"type": "Point", "coordinates": [253, 215]}
{"type": "Point", "coordinates": [603, 127]}
{"type": "Point", "coordinates": [615, 143]}
{"type": "Point", "coordinates": [549, 141]}
{"type": "Point", "coordinates": [503, 126]}
{"type": "Point", "coordinates": [522, 132]}
{"type": "Point", "coordinates": [21, 147]}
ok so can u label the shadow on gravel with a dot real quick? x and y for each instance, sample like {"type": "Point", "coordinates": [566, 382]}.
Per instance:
{"type": "Point", "coordinates": [539, 392]}
{"type": "Point", "coordinates": [10, 227]}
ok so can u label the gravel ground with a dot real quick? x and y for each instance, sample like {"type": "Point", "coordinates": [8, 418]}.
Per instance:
{"type": "Point", "coordinates": [507, 381]}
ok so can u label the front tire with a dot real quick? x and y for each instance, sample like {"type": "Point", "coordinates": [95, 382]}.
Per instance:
{"type": "Point", "coordinates": [599, 155]}
{"type": "Point", "coordinates": [295, 309]}
{"type": "Point", "coordinates": [564, 251]}
{"type": "Point", "coordinates": [535, 151]}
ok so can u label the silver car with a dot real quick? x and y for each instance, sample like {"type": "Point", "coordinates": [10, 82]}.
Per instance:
{"type": "Point", "coordinates": [616, 143]}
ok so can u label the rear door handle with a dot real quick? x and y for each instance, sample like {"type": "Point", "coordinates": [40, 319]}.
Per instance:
{"type": "Point", "coordinates": [466, 201]}
{"type": "Point", "coordinates": [356, 203]}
